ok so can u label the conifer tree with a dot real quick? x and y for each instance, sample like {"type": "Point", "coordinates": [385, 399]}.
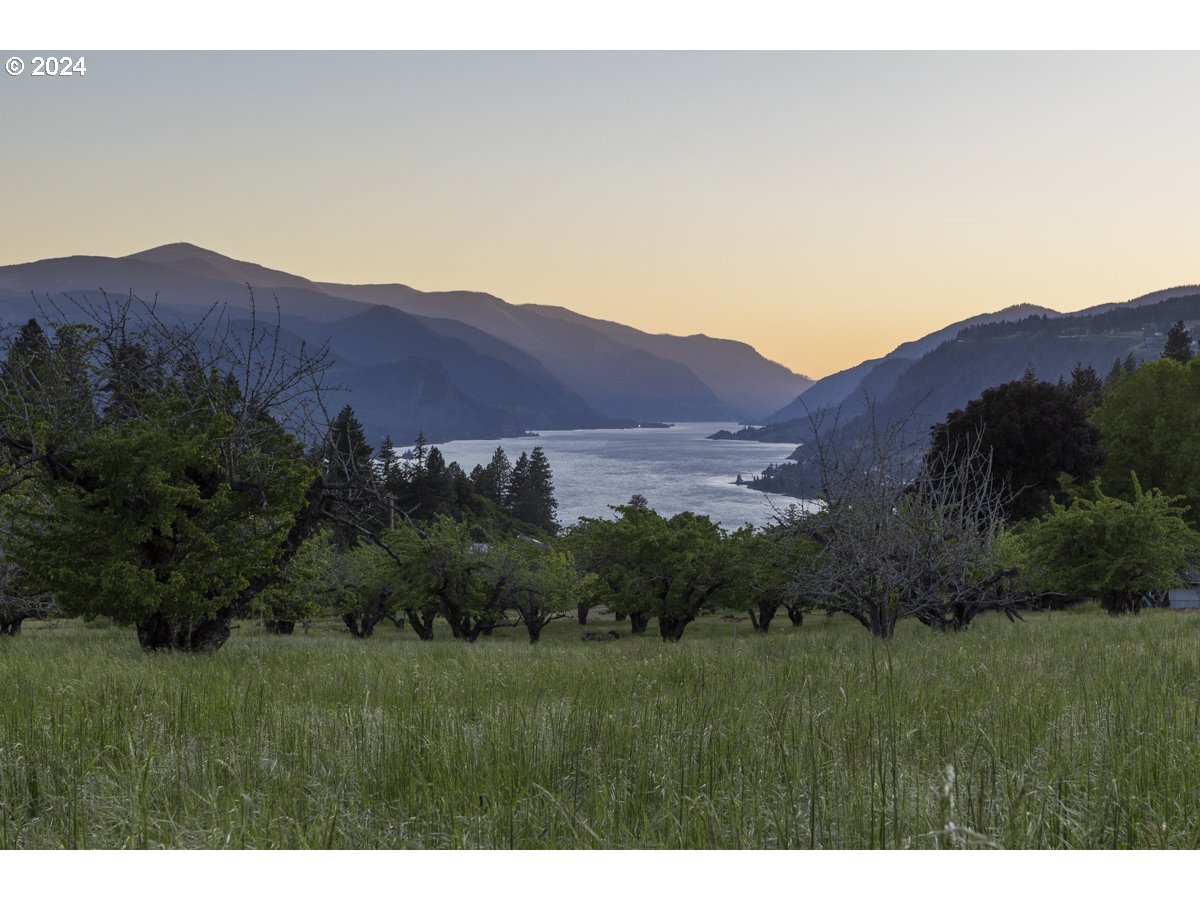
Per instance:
{"type": "Point", "coordinates": [1085, 386]}
{"type": "Point", "coordinates": [1178, 345]}
{"type": "Point", "coordinates": [350, 477]}
{"type": "Point", "coordinates": [532, 491]}
{"type": "Point", "coordinates": [494, 482]}
{"type": "Point", "coordinates": [387, 459]}
{"type": "Point", "coordinates": [1114, 374]}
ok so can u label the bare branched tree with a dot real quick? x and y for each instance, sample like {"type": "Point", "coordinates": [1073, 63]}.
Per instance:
{"type": "Point", "coordinates": [900, 538]}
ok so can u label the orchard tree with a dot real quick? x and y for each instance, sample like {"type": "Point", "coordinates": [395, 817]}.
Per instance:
{"type": "Point", "coordinates": [1112, 550]}
{"type": "Point", "coordinates": [893, 543]}
{"type": "Point", "coordinates": [766, 564]}
{"type": "Point", "coordinates": [651, 566]}
{"type": "Point", "coordinates": [537, 582]}
{"type": "Point", "coordinates": [685, 569]}
{"type": "Point", "coordinates": [368, 589]}
{"type": "Point", "coordinates": [612, 549]}
{"type": "Point", "coordinates": [313, 582]}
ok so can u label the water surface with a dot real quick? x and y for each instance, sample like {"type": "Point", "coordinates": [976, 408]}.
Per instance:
{"type": "Point", "coordinates": [676, 469]}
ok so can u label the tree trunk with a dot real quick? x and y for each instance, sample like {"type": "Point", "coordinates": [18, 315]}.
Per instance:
{"type": "Point", "coordinates": [766, 612]}
{"type": "Point", "coordinates": [12, 625]}
{"type": "Point", "coordinates": [189, 635]}
{"type": "Point", "coordinates": [535, 630]}
{"type": "Point", "coordinates": [620, 617]}
{"type": "Point", "coordinates": [362, 624]}
{"type": "Point", "coordinates": [882, 622]}
{"type": "Point", "coordinates": [1121, 604]}
{"type": "Point", "coordinates": [637, 622]}
{"type": "Point", "coordinates": [671, 628]}
{"type": "Point", "coordinates": [795, 615]}
{"type": "Point", "coordinates": [582, 612]}
{"type": "Point", "coordinates": [279, 626]}
{"type": "Point", "coordinates": [422, 623]}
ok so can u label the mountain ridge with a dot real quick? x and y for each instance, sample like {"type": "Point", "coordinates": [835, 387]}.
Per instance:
{"type": "Point", "coordinates": [560, 369]}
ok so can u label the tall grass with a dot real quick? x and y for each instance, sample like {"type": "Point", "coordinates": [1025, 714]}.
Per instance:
{"type": "Point", "coordinates": [1072, 730]}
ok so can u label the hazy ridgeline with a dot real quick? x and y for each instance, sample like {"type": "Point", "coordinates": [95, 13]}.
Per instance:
{"type": "Point", "coordinates": [1074, 729]}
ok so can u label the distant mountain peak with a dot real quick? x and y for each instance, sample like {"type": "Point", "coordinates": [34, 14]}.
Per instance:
{"type": "Point", "coordinates": [177, 250]}
{"type": "Point", "coordinates": [184, 257]}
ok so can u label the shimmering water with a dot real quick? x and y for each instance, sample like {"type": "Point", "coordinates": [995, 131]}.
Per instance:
{"type": "Point", "coordinates": [676, 469]}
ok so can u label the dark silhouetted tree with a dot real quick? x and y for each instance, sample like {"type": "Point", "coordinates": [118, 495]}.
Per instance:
{"type": "Point", "coordinates": [532, 491]}
{"type": "Point", "coordinates": [1178, 345]}
{"type": "Point", "coordinates": [1034, 432]}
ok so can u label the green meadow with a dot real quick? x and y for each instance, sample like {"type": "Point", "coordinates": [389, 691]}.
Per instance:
{"type": "Point", "coordinates": [1070, 730]}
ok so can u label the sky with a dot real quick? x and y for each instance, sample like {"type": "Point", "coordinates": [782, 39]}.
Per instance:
{"type": "Point", "coordinates": [821, 206]}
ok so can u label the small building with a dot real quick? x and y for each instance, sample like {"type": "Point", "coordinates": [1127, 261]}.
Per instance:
{"type": "Point", "coordinates": [1187, 597]}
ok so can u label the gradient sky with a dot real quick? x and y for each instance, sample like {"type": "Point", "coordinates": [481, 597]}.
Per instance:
{"type": "Point", "coordinates": [823, 207]}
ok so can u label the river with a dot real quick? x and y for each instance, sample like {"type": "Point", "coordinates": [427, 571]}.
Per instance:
{"type": "Point", "coordinates": [675, 468]}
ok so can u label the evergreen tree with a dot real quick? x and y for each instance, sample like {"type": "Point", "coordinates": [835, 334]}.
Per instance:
{"type": "Point", "coordinates": [532, 490]}
{"type": "Point", "coordinates": [435, 487]}
{"type": "Point", "coordinates": [1131, 363]}
{"type": "Point", "coordinates": [347, 452]}
{"type": "Point", "coordinates": [1114, 374]}
{"type": "Point", "coordinates": [1178, 345]}
{"type": "Point", "coordinates": [516, 482]}
{"type": "Point", "coordinates": [495, 481]}
{"type": "Point", "coordinates": [28, 353]}
{"type": "Point", "coordinates": [387, 459]}
{"type": "Point", "coordinates": [350, 477]}
{"type": "Point", "coordinates": [1085, 386]}
{"type": "Point", "coordinates": [419, 451]}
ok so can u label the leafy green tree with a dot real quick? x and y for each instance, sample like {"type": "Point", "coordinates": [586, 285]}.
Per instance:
{"type": "Point", "coordinates": [1178, 345]}
{"type": "Point", "coordinates": [613, 550]}
{"type": "Point", "coordinates": [1111, 550]}
{"type": "Point", "coordinates": [538, 582]}
{"type": "Point", "coordinates": [154, 529]}
{"type": "Point", "coordinates": [765, 565]}
{"type": "Point", "coordinates": [432, 570]}
{"type": "Point", "coordinates": [1034, 432]}
{"type": "Point", "coordinates": [392, 574]}
{"type": "Point", "coordinates": [651, 566]}
{"type": "Point", "coordinates": [170, 495]}
{"type": "Point", "coordinates": [369, 589]}
{"type": "Point", "coordinates": [311, 583]}
{"type": "Point", "coordinates": [1150, 424]}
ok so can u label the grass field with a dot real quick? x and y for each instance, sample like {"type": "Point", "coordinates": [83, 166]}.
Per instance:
{"type": "Point", "coordinates": [1071, 730]}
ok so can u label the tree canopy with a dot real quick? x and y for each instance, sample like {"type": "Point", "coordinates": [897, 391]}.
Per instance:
{"type": "Point", "coordinates": [1112, 550]}
{"type": "Point", "coordinates": [1150, 422]}
{"type": "Point", "coordinates": [1034, 431]}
